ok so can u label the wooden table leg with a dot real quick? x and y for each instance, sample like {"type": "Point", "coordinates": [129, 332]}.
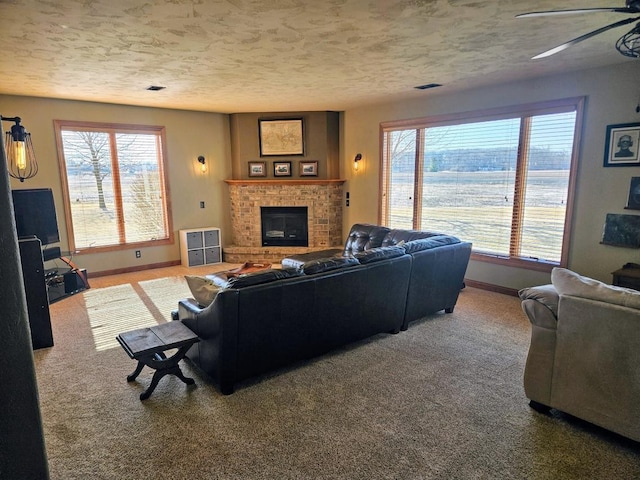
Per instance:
{"type": "Point", "coordinates": [134, 375]}
{"type": "Point", "coordinates": [163, 366]}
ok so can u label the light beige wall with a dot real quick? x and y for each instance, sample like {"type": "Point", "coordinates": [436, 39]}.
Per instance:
{"type": "Point", "coordinates": [188, 135]}
{"type": "Point", "coordinates": [612, 95]}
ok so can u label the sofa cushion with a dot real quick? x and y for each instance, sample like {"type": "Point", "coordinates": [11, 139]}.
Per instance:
{"type": "Point", "coordinates": [364, 236]}
{"type": "Point", "coordinates": [428, 243]}
{"type": "Point", "coordinates": [380, 253]}
{"type": "Point", "coordinates": [399, 236]}
{"type": "Point", "coordinates": [567, 282]}
{"type": "Point", "coordinates": [547, 295]}
{"type": "Point", "coordinates": [326, 264]}
{"type": "Point", "coordinates": [296, 261]}
{"type": "Point", "coordinates": [203, 289]}
{"type": "Point", "coordinates": [262, 276]}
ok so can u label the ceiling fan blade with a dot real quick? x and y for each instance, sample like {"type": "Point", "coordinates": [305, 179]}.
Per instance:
{"type": "Point", "coordinates": [570, 43]}
{"type": "Point", "coordinates": [626, 10]}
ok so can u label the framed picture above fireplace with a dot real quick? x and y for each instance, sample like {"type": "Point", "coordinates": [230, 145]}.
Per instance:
{"type": "Point", "coordinates": [281, 169]}
{"type": "Point", "coordinates": [281, 136]}
{"type": "Point", "coordinates": [309, 169]}
{"type": "Point", "coordinates": [257, 169]}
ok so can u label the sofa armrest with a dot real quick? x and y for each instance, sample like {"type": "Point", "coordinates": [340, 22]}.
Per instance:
{"type": "Point", "coordinates": [541, 305]}
{"type": "Point", "coordinates": [188, 308]}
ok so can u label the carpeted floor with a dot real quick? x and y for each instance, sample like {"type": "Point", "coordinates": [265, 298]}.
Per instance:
{"type": "Point", "coordinates": [443, 400]}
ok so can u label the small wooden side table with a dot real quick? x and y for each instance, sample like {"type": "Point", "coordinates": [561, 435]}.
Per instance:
{"type": "Point", "coordinates": [627, 276]}
{"type": "Point", "coordinates": [147, 346]}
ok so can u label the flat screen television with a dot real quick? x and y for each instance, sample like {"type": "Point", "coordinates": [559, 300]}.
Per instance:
{"type": "Point", "coordinates": [35, 214]}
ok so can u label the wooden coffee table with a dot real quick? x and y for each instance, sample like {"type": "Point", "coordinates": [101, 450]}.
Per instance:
{"type": "Point", "coordinates": [147, 346]}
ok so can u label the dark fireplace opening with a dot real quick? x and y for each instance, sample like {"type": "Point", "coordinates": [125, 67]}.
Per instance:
{"type": "Point", "coordinates": [284, 226]}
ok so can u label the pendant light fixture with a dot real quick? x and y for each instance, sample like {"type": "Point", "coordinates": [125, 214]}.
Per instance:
{"type": "Point", "coordinates": [21, 158]}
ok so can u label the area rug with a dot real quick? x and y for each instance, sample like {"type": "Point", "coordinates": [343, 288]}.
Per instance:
{"type": "Point", "coordinates": [112, 310]}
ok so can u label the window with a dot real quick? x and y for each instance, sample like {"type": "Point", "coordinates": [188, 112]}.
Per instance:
{"type": "Point", "coordinates": [114, 185]}
{"type": "Point", "coordinates": [502, 179]}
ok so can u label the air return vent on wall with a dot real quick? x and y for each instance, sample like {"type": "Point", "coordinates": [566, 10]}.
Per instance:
{"type": "Point", "coordinates": [427, 86]}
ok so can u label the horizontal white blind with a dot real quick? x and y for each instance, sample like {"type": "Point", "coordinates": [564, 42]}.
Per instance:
{"type": "Point", "coordinates": [401, 147]}
{"type": "Point", "coordinates": [469, 182]}
{"type": "Point", "coordinates": [141, 187]}
{"type": "Point", "coordinates": [547, 185]}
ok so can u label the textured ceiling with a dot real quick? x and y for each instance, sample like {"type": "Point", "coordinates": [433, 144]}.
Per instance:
{"type": "Point", "coordinates": [285, 55]}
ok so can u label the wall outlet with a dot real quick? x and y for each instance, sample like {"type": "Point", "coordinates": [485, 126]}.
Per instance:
{"type": "Point", "coordinates": [138, 254]}
{"type": "Point", "coordinates": [201, 204]}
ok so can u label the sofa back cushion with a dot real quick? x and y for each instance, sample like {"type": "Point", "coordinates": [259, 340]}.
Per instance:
{"type": "Point", "coordinates": [399, 237]}
{"type": "Point", "coordinates": [262, 276]}
{"type": "Point", "coordinates": [429, 243]}
{"type": "Point", "coordinates": [379, 253]}
{"type": "Point", "coordinates": [327, 264]}
{"type": "Point", "coordinates": [364, 236]}
{"type": "Point", "coordinates": [567, 282]}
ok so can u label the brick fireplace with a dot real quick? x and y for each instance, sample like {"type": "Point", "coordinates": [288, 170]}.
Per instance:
{"type": "Point", "coordinates": [323, 199]}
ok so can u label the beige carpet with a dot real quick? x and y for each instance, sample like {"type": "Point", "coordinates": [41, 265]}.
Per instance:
{"type": "Point", "coordinates": [443, 400]}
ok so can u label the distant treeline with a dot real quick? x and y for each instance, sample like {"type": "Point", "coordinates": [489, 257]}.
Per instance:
{"type": "Point", "coordinates": [483, 160]}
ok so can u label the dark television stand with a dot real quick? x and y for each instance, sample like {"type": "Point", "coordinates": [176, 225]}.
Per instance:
{"type": "Point", "coordinates": [63, 282]}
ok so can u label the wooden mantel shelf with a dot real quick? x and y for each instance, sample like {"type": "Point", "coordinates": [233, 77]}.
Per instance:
{"type": "Point", "coordinates": [273, 181]}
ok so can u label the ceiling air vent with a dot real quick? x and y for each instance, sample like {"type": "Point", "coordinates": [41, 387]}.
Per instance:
{"type": "Point", "coordinates": [427, 86]}
{"type": "Point", "coordinates": [155, 88]}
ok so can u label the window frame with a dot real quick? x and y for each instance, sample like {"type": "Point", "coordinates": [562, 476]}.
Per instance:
{"type": "Point", "coordinates": [514, 111]}
{"type": "Point", "coordinates": [113, 128]}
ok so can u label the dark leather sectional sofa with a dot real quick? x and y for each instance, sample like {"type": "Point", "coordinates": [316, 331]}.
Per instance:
{"type": "Point", "coordinates": [383, 280]}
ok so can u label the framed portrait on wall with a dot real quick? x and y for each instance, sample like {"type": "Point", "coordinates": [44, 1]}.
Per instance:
{"type": "Point", "coordinates": [280, 137]}
{"type": "Point", "coordinates": [621, 145]}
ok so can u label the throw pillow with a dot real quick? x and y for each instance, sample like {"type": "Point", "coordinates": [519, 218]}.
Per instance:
{"type": "Point", "coordinates": [567, 282]}
{"type": "Point", "coordinates": [202, 289]}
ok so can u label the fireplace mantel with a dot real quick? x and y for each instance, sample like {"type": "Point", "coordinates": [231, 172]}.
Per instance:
{"type": "Point", "coordinates": [272, 181]}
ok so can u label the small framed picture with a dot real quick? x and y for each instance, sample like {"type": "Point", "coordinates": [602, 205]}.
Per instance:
{"type": "Point", "coordinates": [281, 169]}
{"type": "Point", "coordinates": [621, 145]}
{"type": "Point", "coordinates": [309, 169]}
{"type": "Point", "coordinates": [257, 169]}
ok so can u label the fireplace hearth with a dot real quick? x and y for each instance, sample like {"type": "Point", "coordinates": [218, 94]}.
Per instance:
{"type": "Point", "coordinates": [284, 226]}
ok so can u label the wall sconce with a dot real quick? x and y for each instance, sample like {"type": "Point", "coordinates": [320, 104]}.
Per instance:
{"type": "Point", "coordinates": [203, 165]}
{"type": "Point", "coordinates": [356, 161]}
{"type": "Point", "coordinates": [21, 159]}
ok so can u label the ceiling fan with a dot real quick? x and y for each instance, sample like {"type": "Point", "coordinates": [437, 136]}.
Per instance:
{"type": "Point", "coordinates": [628, 44]}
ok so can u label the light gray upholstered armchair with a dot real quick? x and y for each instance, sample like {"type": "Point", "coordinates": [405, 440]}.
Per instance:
{"type": "Point", "coordinates": [584, 357]}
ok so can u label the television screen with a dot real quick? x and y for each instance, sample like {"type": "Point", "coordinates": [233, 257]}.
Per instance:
{"type": "Point", "coordinates": [35, 214]}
